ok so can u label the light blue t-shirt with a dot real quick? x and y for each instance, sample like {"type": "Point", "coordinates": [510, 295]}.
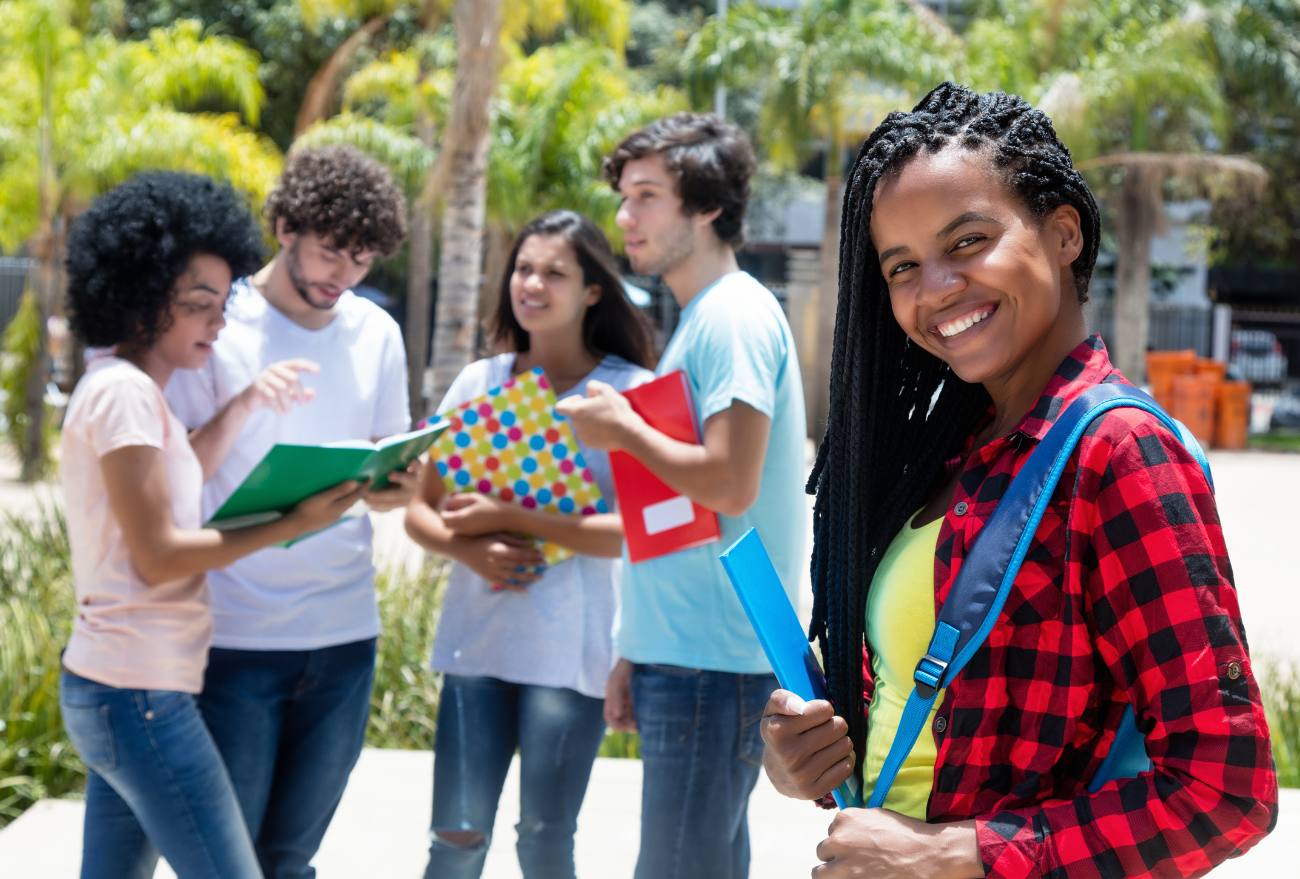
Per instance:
{"type": "Point", "coordinates": [733, 343]}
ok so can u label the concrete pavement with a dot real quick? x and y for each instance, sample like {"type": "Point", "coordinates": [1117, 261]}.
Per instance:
{"type": "Point", "coordinates": [381, 827]}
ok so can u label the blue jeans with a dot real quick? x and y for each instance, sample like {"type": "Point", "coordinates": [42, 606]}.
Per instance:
{"type": "Point", "coordinates": [701, 752]}
{"type": "Point", "coordinates": [155, 783]}
{"type": "Point", "coordinates": [481, 721]}
{"type": "Point", "coordinates": [290, 725]}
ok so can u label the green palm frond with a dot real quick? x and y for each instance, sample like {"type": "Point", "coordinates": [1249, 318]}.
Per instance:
{"type": "Point", "coordinates": [407, 158]}
{"type": "Point", "coordinates": [212, 144]}
{"type": "Point", "coordinates": [605, 21]}
{"type": "Point", "coordinates": [816, 68]}
{"type": "Point", "coordinates": [178, 66]}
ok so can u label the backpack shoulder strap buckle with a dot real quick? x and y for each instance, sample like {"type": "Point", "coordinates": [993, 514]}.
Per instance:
{"type": "Point", "coordinates": [928, 675]}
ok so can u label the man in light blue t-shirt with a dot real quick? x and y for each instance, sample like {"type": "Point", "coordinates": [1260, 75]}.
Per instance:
{"type": "Point", "coordinates": [692, 678]}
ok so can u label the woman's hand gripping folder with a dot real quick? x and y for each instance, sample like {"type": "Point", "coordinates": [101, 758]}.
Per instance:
{"type": "Point", "coordinates": [777, 626]}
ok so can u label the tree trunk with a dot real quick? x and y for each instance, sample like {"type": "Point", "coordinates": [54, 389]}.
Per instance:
{"type": "Point", "coordinates": [46, 249]}
{"type": "Point", "coordinates": [828, 291]}
{"type": "Point", "coordinates": [1139, 217]}
{"type": "Point", "coordinates": [419, 280]}
{"type": "Point", "coordinates": [460, 260]}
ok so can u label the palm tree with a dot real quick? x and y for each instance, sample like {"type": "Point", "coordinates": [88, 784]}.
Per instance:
{"type": "Point", "coordinates": [417, 95]}
{"type": "Point", "coordinates": [80, 113]}
{"type": "Point", "coordinates": [465, 148]}
{"type": "Point", "coordinates": [1134, 87]}
{"type": "Point", "coordinates": [825, 75]}
{"type": "Point", "coordinates": [1141, 215]}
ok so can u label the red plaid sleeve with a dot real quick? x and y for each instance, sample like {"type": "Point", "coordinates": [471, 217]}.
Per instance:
{"type": "Point", "coordinates": [1163, 612]}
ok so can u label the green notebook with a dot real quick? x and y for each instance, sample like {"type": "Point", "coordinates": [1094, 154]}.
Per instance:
{"type": "Point", "coordinates": [289, 474]}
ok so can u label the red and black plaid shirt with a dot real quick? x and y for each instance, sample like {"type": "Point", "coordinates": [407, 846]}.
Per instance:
{"type": "Point", "coordinates": [1126, 595]}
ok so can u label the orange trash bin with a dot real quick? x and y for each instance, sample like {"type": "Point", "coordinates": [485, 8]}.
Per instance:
{"type": "Point", "coordinates": [1162, 366]}
{"type": "Point", "coordinates": [1194, 401]}
{"type": "Point", "coordinates": [1234, 415]}
{"type": "Point", "coordinates": [1216, 369]}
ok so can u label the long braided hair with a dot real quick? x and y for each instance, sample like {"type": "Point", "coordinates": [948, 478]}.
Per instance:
{"type": "Point", "coordinates": [898, 412]}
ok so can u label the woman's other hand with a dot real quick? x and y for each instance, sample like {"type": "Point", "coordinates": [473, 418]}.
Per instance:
{"type": "Point", "coordinates": [324, 508]}
{"type": "Point", "coordinates": [618, 698]}
{"type": "Point", "coordinates": [809, 752]}
{"type": "Point", "coordinates": [507, 561]}
{"type": "Point", "coordinates": [886, 845]}
{"type": "Point", "coordinates": [399, 494]}
{"type": "Point", "coordinates": [279, 386]}
{"type": "Point", "coordinates": [473, 514]}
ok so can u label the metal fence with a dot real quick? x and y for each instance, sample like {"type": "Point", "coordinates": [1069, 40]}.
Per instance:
{"type": "Point", "coordinates": [13, 280]}
{"type": "Point", "coordinates": [1172, 327]}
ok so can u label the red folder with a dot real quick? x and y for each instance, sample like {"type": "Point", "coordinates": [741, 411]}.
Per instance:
{"type": "Point", "coordinates": [656, 519]}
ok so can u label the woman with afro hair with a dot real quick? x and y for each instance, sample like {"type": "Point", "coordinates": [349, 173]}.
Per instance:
{"type": "Point", "coordinates": [968, 243]}
{"type": "Point", "coordinates": [149, 269]}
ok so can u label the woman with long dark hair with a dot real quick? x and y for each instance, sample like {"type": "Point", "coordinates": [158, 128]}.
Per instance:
{"type": "Point", "coordinates": [969, 241]}
{"type": "Point", "coordinates": [526, 651]}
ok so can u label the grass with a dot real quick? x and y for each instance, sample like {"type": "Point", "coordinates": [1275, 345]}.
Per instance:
{"type": "Point", "coordinates": [1280, 686]}
{"type": "Point", "coordinates": [404, 701]}
{"type": "Point", "coordinates": [1279, 440]}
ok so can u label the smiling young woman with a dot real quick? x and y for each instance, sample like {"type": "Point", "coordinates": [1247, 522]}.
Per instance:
{"type": "Point", "coordinates": [960, 338]}
{"type": "Point", "coordinates": [527, 649]}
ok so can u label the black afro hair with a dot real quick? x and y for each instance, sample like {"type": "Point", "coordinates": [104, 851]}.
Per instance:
{"type": "Point", "coordinates": [127, 250]}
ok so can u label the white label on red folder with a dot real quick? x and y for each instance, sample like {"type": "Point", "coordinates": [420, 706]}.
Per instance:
{"type": "Point", "coordinates": [666, 515]}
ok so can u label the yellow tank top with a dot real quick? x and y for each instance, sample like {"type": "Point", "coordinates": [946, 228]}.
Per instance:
{"type": "Point", "coordinates": [900, 621]}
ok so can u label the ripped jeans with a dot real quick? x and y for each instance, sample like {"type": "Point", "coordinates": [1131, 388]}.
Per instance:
{"type": "Point", "coordinates": [481, 721]}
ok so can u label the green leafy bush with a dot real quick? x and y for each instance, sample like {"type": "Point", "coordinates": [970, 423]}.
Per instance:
{"type": "Point", "coordinates": [36, 607]}
{"type": "Point", "coordinates": [1280, 687]}
{"type": "Point", "coordinates": [404, 701]}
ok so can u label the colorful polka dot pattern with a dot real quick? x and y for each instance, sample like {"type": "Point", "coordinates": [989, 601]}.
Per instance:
{"type": "Point", "coordinates": [510, 443]}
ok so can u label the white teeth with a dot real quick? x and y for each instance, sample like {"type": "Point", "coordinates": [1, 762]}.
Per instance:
{"type": "Point", "coordinates": [963, 324]}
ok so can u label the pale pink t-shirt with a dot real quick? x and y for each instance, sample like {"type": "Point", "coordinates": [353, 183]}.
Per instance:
{"type": "Point", "coordinates": [128, 634]}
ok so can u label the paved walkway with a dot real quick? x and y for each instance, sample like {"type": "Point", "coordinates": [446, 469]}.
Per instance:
{"type": "Point", "coordinates": [380, 830]}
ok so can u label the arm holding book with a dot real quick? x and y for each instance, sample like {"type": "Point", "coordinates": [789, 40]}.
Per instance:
{"type": "Point", "coordinates": [472, 514]}
{"type": "Point", "coordinates": [140, 495]}
{"type": "Point", "coordinates": [494, 557]}
{"type": "Point", "coordinates": [723, 474]}
{"type": "Point", "coordinates": [405, 483]}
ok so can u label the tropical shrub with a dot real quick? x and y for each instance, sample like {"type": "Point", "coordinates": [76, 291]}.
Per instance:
{"type": "Point", "coordinates": [36, 605]}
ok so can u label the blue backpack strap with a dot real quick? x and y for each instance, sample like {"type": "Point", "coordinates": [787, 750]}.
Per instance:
{"type": "Point", "coordinates": [986, 576]}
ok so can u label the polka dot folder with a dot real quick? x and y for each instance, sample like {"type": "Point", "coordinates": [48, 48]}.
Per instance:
{"type": "Point", "coordinates": [511, 444]}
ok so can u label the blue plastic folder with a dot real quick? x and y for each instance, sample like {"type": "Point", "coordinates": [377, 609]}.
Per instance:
{"type": "Point", "coordinates": [777, 626]}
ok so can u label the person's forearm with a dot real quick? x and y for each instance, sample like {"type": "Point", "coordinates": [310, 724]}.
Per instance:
{"type": "Point", "coordinates": [213, 441]}
{"type": "Point", "coordinates": [958, 851]}
{"type": "Point", "coordinates": [178, 554]}
{"type": "Point", "coordinates": [599, 535]}
{"type": "Point", "coordinates": [425, 527]}
{"type": "Point", "coordinates": [688, 468]}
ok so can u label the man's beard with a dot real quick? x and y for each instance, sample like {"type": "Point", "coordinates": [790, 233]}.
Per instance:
{"type": "Point", "coordinates": [674, 250]}
{"type": "Point", "coordinates": [300, 283]}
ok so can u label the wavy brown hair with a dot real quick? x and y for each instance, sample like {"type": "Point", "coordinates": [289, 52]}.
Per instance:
{"type": "Point", "coordinates": [342, 195]}
{"type": "Point", "coordinates": [613, 325]}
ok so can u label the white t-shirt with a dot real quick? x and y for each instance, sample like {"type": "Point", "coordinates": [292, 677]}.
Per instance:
{"type": "Point", "coordinates": [560, 632]}
{"type": "Point", "coordinates": [320, 591]}
{"type": "Point", "coordinates": [127, 633]}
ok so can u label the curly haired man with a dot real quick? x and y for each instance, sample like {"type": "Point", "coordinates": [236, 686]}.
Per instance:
{"type": "Point", "coordinates": [286, 693]}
